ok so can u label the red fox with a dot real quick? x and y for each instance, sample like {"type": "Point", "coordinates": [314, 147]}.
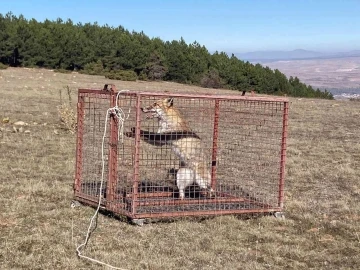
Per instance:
{"type": "Point", "coordinates": [173, 130]}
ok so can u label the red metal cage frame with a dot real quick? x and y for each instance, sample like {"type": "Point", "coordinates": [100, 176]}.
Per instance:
{"type": "Point", "coordinates": [127, 204]}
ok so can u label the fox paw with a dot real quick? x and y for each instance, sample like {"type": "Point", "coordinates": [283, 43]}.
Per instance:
{"type": "Point", "coordinates": [130, 134]}
{"type": "Point", "coordinates": [209, 193]}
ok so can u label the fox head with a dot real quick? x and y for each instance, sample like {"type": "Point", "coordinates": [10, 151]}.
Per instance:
{"type": "Point", "coordinates": [158, 108]}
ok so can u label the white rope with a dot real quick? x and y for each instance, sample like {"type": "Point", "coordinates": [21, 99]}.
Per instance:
{"type": "Point", "coordinates": [120, 115]}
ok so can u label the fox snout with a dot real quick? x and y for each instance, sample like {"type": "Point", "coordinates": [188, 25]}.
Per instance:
{"type": "Point", "coordinates": [160, 104]}
{"type": "Point", "coordinates": [150, 111]}
{"type": "Point", "coordinates": [145, 110]}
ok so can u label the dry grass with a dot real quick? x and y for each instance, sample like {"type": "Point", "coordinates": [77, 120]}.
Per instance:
{"type": "Point", "coordinates": [39, 230]}
{"type": "Point", "coordinates": [66, 112]}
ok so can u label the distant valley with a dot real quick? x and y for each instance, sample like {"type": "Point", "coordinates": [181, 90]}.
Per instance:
{"type": "Point", "coordinates": [339, 73]}
{"type": "Point", "coordinates": [299, 54]}
{"type": "Point", "coordinates": [341, 76]}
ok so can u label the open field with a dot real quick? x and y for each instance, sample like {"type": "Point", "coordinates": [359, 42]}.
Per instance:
{"type": "Point", "coordinates": [39, 230]}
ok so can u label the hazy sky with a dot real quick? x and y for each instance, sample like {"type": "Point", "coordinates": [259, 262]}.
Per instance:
{"type": "Point", "coordinates": [227, 25]}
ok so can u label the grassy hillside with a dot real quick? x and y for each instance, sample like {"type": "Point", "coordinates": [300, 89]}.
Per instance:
{"type": "Point", "coordinates": [39, 230]}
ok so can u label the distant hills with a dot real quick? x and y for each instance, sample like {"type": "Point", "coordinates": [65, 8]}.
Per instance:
{"type": "Point", "coordinates": [299, 54]}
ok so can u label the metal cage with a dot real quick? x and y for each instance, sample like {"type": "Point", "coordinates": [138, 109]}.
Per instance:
{"type": "Point", "coordinates": [240, 142]}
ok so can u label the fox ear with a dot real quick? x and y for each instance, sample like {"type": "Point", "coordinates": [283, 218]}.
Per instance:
{"type": "Point", "coordinates": [170, 102]}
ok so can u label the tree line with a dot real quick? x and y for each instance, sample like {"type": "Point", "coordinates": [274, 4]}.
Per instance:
{"type": "Point", "coordinates": [120, 54]}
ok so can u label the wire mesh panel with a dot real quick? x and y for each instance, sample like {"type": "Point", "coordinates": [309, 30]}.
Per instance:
{"type": "Point", "coordinates": [250, 155]}
{"type": "Point", "coordinates": [181, 155]}
{"type": "Point", "coordinates": [91, 126]}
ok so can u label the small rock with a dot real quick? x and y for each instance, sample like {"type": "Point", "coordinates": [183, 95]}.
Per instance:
{"type": "Point", "coordinates": [6, 120]}
{"type": "Point", "coordinates": [20, 123]}
{"type": "Point", "coordinates": [21, 129]}
{"type": "Point", "coordinates": [56, 132]}
{"type": "Point", "coordinates": [27, 131]}
{"type": "Point", "coordinates": [44, 124]}
{"type": "Point", "coordinates": [14, 129]}
{"type": "Point", "coordinates": [2, 129]}
{"type": "Point", "coordinates": [333, 222]}
{"type": "Point", "coordinates": [327, 238]}
{"type": "Point", "coordinates": [313, 230]}
{"type": "Point", "coordinates": [35, 123]}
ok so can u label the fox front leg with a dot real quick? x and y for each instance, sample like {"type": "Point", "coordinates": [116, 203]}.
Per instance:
{"type": "Point", "coordinates": [150, 137]}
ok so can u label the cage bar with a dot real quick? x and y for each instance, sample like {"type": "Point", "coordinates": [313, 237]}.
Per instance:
{"type": "Point", "coordinates": [283, 155]}
{"type": "Point", "coordinates": [113, 150]}
{"type": "Point", "coordinates": [79, 141]}
{"type": "Point", "coordinates": [221, 154]}
{"type": "Point", "coordinates": [215, 147]}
